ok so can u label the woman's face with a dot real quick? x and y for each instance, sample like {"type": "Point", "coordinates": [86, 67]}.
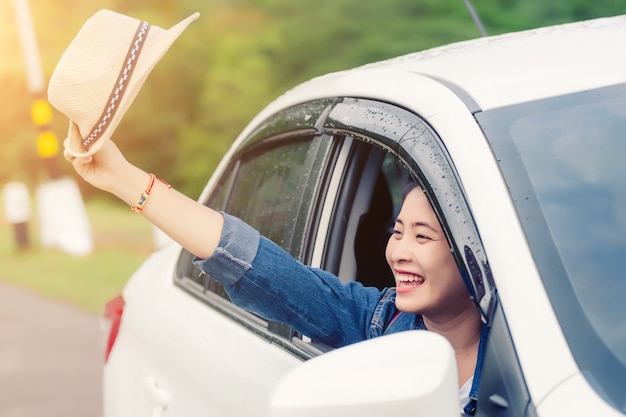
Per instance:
{"type": "Point", "coordinates": [428, 281]}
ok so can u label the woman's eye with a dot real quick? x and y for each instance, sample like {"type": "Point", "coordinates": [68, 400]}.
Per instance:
{"type": "Point", "coordinates": [419, 237]}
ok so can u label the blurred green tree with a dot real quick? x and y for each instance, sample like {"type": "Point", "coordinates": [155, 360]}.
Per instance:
{"type": "Point", "coordinates": [235, 59]}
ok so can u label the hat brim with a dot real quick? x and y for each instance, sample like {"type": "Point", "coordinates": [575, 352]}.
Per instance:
{"type": "Point", "coordinates": [156, 45]}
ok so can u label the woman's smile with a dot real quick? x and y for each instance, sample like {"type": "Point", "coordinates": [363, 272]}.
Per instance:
{"type": "Point", "coordinates": [406, 281]}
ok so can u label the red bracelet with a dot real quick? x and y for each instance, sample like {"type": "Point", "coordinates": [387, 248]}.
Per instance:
{"type": "Point", "coordinates": [137, 208]}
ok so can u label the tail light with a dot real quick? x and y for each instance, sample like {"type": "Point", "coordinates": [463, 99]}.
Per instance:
{"type": "Point", "coordinates": [113, 311]}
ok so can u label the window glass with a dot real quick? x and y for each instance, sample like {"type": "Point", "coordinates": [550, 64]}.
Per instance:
{"type": "Point", "coordinates": [270, 190]}
{"type": "Point", "coordinates": [268, 187]}
{"type": "Point", "coordinates": [562, 160]}
{"type": "Point", "coordinates": [219, 196]}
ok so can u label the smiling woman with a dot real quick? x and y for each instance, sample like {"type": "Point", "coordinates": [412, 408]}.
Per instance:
{"type": "Point", "coordinates": [257, 274]}
{"type": "Point", "coordinates": [428, 281]}
{"type": "Point", "coordinates": [264, 279]}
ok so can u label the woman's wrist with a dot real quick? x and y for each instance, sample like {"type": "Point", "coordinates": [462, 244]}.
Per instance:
{"type": "Point", "coordinates": [130, 186]}
{"type": "Point", "coordinates": [145, 195]}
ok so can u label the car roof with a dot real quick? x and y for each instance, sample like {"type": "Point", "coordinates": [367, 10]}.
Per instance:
{"type": "Point", "coordinates": [516, 67]}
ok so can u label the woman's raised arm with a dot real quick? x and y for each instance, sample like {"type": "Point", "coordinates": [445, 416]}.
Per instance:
{"type": "Point", "coordinates": [195, 227]}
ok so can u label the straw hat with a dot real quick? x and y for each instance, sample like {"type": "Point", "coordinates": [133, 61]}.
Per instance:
{"type": "Point", "coordinates": [101, 72]}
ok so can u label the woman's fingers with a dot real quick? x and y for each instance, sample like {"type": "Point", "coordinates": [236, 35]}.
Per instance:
{"type": "Point", "coordinates": [66, 154]}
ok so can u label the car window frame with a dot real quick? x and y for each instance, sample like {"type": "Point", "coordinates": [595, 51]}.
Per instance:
{"type": "Point", "coordinates": [337, 122]}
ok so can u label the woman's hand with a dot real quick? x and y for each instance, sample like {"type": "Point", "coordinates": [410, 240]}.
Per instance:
{"type": "Point", "coordinates": [107, 169]}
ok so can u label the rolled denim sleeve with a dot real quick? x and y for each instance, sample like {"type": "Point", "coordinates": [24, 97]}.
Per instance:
{"type": "Point", "coordinates": [259, 276]}
{"type": "Point", "coordinates": [234, 254]}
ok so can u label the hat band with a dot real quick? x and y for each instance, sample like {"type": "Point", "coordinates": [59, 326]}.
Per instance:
{"type": "Point", "coordinates": [120, 85]}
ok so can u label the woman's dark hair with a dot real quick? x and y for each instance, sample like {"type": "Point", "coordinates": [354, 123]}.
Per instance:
{"type": "Point", "coordinates": [410, 184]}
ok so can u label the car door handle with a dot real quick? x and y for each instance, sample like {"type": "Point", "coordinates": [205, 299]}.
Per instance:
{"type": "Point", "coordinates": [158, 395]}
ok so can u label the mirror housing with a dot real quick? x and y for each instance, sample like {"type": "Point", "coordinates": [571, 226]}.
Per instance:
{"type": "Point", "coordinates": [411, 373]}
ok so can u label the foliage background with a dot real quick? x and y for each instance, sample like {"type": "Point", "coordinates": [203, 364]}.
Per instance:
{"type": "Point", "coordinates": [234, 60]}
{"type": "Point", "coordinates": [223, 69]}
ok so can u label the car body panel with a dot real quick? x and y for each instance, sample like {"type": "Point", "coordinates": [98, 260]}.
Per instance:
{"type": "Point", "coordinates": [491, 207]}
{"type": "Point", "coordinates": [574, 397]}
{"type": "Point", "coordinates": [232, 382]}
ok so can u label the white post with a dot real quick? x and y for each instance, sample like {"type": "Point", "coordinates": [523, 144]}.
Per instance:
{"type": "Point", "coordinates": [34, 75]}
{"type": "Point", "coordinates": [17, 211]}
{"type": "Point", "coordinates": [62, 216]}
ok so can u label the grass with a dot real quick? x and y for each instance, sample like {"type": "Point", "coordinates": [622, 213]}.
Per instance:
{"type": "Point", "coordinates": [121, 238]}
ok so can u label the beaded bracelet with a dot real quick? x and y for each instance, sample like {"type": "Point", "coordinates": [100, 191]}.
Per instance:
{"type": "Point", "coordinates": [137, 208]}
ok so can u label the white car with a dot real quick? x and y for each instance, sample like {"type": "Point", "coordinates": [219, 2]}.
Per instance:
{"type": "Point", "coordinates": [520, 143]}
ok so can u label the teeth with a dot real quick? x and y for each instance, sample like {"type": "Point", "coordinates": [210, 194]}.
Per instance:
{"type": "Point", "coordinates": [411, 278]}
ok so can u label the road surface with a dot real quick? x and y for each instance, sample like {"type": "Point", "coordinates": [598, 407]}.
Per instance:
{"type": "Point", "coordinates": [50, 357]}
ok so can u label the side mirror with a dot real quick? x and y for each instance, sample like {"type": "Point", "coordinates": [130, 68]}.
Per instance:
{"type": "Point", "coordinates": [411, 373]}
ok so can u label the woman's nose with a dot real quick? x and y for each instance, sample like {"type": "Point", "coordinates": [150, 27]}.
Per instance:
{"type": "Point", "coordinates": [399, 249]}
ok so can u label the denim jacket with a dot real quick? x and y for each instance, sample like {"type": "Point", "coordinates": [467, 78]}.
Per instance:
{"type": "Point", "coordinates": [262, 278]}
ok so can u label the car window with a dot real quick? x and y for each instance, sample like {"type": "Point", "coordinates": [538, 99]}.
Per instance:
{"type": "Point", "coordinates": [270, 189]}
{"type": "Point", "coordinates": [270, 185]}
{"type": "Point", "coordinates": [265, 186]}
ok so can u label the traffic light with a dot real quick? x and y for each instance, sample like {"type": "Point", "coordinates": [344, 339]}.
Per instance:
{"type": "Point", "coordinates": [47, 142]}
{"type": "Point", "coordinates": [41, 113]}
